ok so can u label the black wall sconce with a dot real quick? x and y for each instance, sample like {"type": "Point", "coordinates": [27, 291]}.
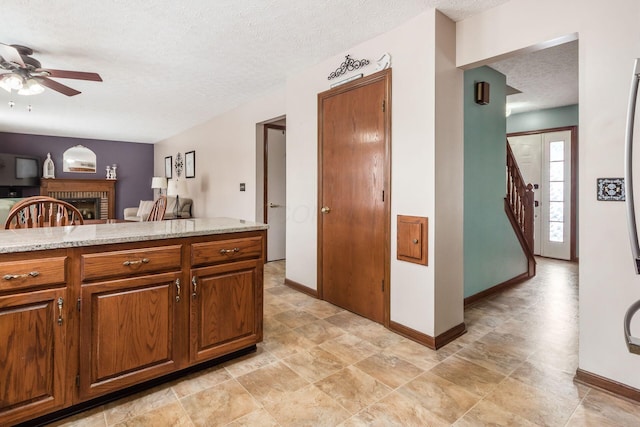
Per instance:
{"type": "Point", "coordinates": [482, 93]}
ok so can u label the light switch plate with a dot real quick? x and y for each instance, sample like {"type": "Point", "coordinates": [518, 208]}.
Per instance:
{"type": "Point", "coordinates": [611, 189]}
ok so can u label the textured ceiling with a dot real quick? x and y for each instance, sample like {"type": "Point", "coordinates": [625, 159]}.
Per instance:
{"type": "Point", "coordinates": [169, 65]}
{"type": "Point", "coordinates": [547, 78]}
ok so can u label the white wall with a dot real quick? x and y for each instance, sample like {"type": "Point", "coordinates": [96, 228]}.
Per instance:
{"type": "Point", "coordinates": [609, 37]}
{"type": "Point", "coordinates": [225, 156]}
{"type": "Point", "coordinates": [414, 59]}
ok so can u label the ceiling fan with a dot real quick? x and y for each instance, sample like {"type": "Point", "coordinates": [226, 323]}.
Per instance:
{"type": "Point", "coordinates": [20, 71]}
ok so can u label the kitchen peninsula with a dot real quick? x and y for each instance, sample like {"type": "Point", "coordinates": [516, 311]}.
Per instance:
{"type": "Point", "coordinates": [87, 311]}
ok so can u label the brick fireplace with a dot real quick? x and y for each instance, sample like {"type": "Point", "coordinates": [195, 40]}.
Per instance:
{"type": "Point", "coordinates": [81, 190]}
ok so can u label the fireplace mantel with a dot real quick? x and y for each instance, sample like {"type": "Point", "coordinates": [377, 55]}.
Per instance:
{"type": "Point", "coordinates": [63, 188]}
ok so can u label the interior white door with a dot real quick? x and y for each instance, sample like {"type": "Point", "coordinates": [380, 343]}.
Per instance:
{"type": "Point", "coordinates": [527, 149]}
{"type": "Point", "coordinates": [276, 193]}
{"type": "Point", "coordinates": [545, 159]}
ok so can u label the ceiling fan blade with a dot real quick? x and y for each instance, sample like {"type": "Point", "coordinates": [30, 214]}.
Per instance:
{"type": "Point", "coordinates": [78, 75]}
{"type": "Point", "coordinates": [11, 54]}
{"type": "Point", "coordinates": [58, 87]}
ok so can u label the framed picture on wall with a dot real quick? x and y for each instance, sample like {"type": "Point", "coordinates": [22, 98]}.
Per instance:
{"type": "Point", "coordinates": [190, 164]}
{"type": "Point", "coordinates": [168, 167]}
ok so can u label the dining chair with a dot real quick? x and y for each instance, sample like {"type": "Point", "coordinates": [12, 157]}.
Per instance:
{"type": "Point", "coordinates": [42, 211]}
{"type": "Point", "coordinates": [158, 209]}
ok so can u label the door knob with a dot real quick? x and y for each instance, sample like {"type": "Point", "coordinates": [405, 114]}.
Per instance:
{"type": "Point", "coordinates": [273, 205]}
{"type": "Point", "coordinates": [325, 209]}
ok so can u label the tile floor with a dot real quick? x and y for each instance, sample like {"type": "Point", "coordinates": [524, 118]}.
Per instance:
{"type": "Point", "coordinates": [322, 366]}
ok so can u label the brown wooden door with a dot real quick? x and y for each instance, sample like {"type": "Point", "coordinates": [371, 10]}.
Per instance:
{"type": "Point", "coordinates": [223, 308]}
{"type": "Point", "coordinates": [354, 139]}
{"type": "Point", "coordinates": [32, 354]}
{"type": "Point", "coordinates": [127, 332]}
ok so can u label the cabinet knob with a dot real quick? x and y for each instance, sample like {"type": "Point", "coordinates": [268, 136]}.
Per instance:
{"type": "Point", "coordinates": [177, 290]}
{"type": "Point", "coordinates": [194, 286]}
{"type": "Point", "coordinates": [325, 209]}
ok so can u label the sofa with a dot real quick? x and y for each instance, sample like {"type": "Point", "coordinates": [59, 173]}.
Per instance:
{"type": "Point", "coordinates": [5, 207]}
{"type": "Point", "coordinates": [140, 212]}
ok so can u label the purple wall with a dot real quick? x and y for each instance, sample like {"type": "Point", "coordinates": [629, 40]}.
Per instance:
{"type": "Point", "coordinates": [134, 161]}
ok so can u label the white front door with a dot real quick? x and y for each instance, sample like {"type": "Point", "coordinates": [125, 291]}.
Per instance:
{"type": "Point", "coordinates": [276, 192]}
{"type": "Point", "coordinates": [545, 159]}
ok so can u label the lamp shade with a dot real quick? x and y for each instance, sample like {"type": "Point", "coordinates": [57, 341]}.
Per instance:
{"type": "Point", "coordinates": [176, 188]}
{"type": "Point", "coordinates": [159, 182]}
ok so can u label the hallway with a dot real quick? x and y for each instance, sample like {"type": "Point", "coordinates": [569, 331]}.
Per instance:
{"type": "Point", "coordinates": [322, 366]}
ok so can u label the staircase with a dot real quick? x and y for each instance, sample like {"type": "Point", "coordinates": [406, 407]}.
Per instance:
{"type": "Point", "coordinates": [518, 205]}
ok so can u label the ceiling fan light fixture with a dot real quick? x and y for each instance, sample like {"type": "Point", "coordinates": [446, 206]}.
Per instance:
{"type": "Point", "coordinates": [13, 81]}
{"type": "Point", "coordinates": [31, 87]}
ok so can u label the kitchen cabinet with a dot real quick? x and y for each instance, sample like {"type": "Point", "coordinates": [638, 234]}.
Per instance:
{"type": "Point", "coordinates": [85, 321]}
{"type": "Point", "coordinates": [33, 350]}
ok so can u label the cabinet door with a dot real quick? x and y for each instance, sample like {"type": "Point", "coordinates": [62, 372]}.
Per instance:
{"type": "Point", "coordinates": [32, 354]}
{"type": "Point", "coordinates": [226, 309]}
{"type": "Point", "coordinates": [127, 332]}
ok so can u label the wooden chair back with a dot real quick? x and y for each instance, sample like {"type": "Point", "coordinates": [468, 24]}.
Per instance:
{"type": "Point", "coordinates": [158, 209]}
{"type": "Point", "coordinates": [42, 211]}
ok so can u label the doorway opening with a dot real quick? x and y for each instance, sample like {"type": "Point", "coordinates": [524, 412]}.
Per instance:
{"type": "Point", "coordinates": [271, 182]}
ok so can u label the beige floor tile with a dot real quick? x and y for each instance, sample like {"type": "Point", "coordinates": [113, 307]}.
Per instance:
{"type": "Point", "coordinates": [583, 417]}
{"type": "Point", "coordinates": [377, 335]}
{"type": "Point", "coordinates": [272, 327]}
{"type": "Point", "coordinates": [350, 348]}
{"type": "Point", "coordinates": [447, 400]}
{"type": "Point", "coordinates": [395, 410]}
{"type": "Point", "coordinates": [315, 364]}
{"type": "Point", "coordinates": [171, 415]}
{"type": "Point", "coordinates": [219, 405]}
{"type": "Point", "coordinates": [472, 377]}
{"type": "Point", "coordinates": [250, 362]}
{"type": "Point", "coordinates": [272, 383]}
{"type": "Point", "coordinates": [259, 418]}
{"type": "Point", "coordinates": [139, 404]}
{"type": "Point", "coordinates": [287, 343]}
{"type": "Point", "coordinates": [538, 406]}
{"type": "Point", "coordinates": [488, 414]}
{"type": "Point", "coordinates": [353, 388]}
{"type": "Point", "coordinates": [91, 418]}
{"type": "Point", "coordinates": [200, 381]}
{"type": "Point", "coordinates": [492, 357]}
{"type": "Point", "coordinates": [391, 370]}
{"type": "Point", "coordinates": [321, 309]}
{"type": "Point", "coordinates": [295, 318]}
{"type": "Point", "coordinates": [612, 408]}
{"type": "Point", "coordinates": [307, 407]}
{"type": "Point", "coordinates": [549, 379]}
{"type": "Point", "coordinates": [347, 320]}
{"type": "Point", "coordinates": [320, 331]}
{"type": "Point", "coordinates": [417, 354]}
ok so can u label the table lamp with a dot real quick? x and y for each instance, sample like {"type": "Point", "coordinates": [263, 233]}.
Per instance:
{"type": "Point", "coordinates": [175, 188]}
{"type": "Point", "coordinates": [159, 182]}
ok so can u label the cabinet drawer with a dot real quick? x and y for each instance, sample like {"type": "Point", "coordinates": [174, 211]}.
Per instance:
{"type": "Point", "coordinates": [130, 262]}
{"type": "Point", "coordinates": [32, 273]}
{"type": "Point", "coordinates": [226, 250]}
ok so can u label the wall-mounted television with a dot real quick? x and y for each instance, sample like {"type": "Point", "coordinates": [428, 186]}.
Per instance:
{"type": "Point", "coordinates": [19, 170]}
{"type": "Point", "coordinates": [27, 167]}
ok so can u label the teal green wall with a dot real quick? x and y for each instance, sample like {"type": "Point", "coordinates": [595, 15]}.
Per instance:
{"type": "Point", "coordinates": [543, 119]}
{"type": "Point", "coordinates": [492, 253]}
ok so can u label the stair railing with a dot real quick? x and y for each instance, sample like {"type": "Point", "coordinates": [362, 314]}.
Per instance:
{"type": "Point", "coordinates": [520, 199]}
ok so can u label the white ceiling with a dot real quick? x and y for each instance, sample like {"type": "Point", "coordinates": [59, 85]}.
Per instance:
{"type": "Point", "coordinates": [547, 78]}
{"type": "Point", "coordinates": [168, 65]}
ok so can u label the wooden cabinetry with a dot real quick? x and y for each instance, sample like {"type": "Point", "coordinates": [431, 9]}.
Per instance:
{"type": "Point", "coordinates": [136, 311]}
{"type": "Point", "coordinates": [33, 350]}
{"type": "Point", "coordinates": [226, 296]}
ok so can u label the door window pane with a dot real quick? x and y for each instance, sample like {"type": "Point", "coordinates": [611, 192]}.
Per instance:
{"type": "Point", "coordinates": [556, 232]}
{"type": "Point", "coordinates": [556, 191]}
{"type": "Point", "coordinates": [556, 211]}
{"type": "Point", "coordinates": [556, 171]}
{"type": "Point", "coordinates": [556, 151]}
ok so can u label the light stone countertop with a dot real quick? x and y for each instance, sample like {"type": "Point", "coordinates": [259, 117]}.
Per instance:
{"type": "Point", "coordinates": [35, 239]}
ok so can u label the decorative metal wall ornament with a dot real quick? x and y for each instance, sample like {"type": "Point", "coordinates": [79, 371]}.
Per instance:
{"type": "Point", "coordinates": [349, 64]}
{"type": "Point", "coordinates": [611, 189]}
